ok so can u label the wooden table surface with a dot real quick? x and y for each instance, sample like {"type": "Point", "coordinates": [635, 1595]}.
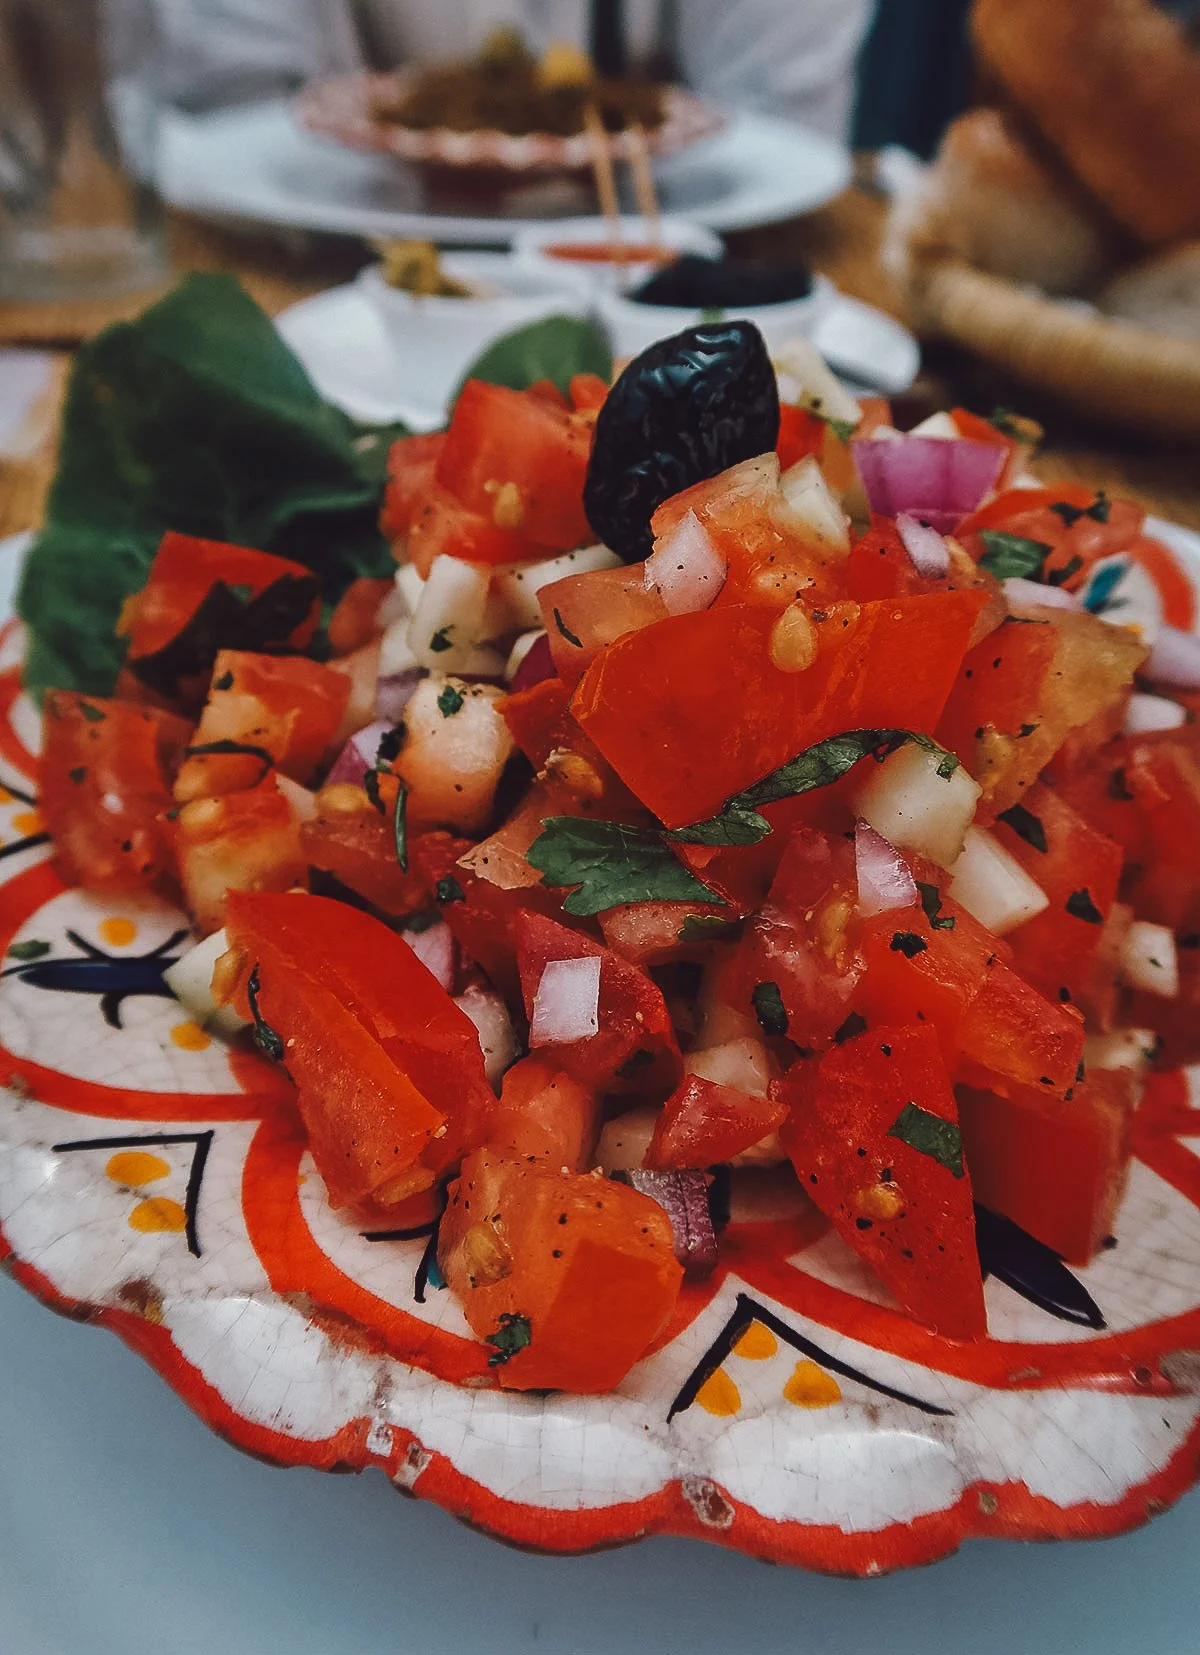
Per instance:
{"type": "Point", "coordinates": [842, 240]}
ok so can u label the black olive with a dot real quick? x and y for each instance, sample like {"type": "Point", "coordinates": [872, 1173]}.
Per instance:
{"type": "Point", "coordinates": [684, 410]}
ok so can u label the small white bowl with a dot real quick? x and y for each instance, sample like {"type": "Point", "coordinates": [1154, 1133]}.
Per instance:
{"type": "Point", "coordinates": [437, 339]}
{"type": "Point", "coordinates": [633, 327]}
{"type": "Point", "coordinates": [533, 249]}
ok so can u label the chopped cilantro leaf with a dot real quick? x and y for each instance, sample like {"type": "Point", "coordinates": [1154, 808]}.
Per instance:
{"type": "Point", "coordinates": [704, 927]}
{"type": "Point", "coordinates": [931, 902]}
{"type": "Point", "coordinates": [907, 943]}
{"type": "Point", "coordinates": [1026, 826]}
{"type": "Point", "coordinates": [769, 1008]}
{"type": "Point", "coordinates": [450, 701]}
{"type": "Point", "coordinates": [371, 787]}
{"type": "Point", "coordinates": [1060, 577]}
{"type": "Point", "coordinates": [1009, 556]}
{"type": "Point", "coordinates": [930, 1135]}
{"type": "Point", "coordinates": [224, 682]}
{"type": "Point", "coordinates": [1080, 906]}
{"type": "Point", "coordinates": [611, 864]}
{"type": "Point", "coordinates": [449, 890]}
{"type": "Point", "coordinates": [264, 1035]}
{"type": "Point", "coordinates": [440, 642]}
{"type": "Point", "coordinates": [94, 715]}
{"type": "Point", "coordinates": [78, 773]}
{"type": "Point", "coordinates": [1026, 730]}
{"type": "Point", "coordinates": [566, 631]}
{"type": "Point", "coordinates": [31, 950]}
{"type": "Point", "coordinates": [843, 429]}
{"type": "Point", "coordinates": [400, 827]}
{"type": "Point", "coordinates": [513, 1334]}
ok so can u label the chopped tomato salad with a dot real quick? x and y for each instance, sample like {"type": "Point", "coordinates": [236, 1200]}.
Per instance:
{"type": "Point", "coordinates": [719, 787]}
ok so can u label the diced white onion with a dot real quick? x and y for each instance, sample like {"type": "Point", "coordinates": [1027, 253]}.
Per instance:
{"type": "Point", "coordinates": [814, 385]}
{"type": "Point", "coordinates": [937, 425]}
{"type": "Point", "coordinates": [395, 607]}
{"type": "Point", "coordinates": [927, 548]}
{"type": "Point", "coordinates": [1119, 1049]}
{"type": "Point", "coordinates": [1175, 659]}
{"type": "Point", "coordinates": [567, 1003]}
{"type": "Point", "coordinates": [395, 651]}
{"type": "Point", "coordinates": [190, 981]}
{"type": "Point", "coordinates": [410, 583]}
{"type": "Point", "coordinates": [519, 651]}
{"type": "Point", "coordinates": [814, 506]}
{"type": "Point", "coordinates": [518, 584]}
{"type": "Point", "coordinates": [302, 799]}
{"type": "Point", "coordinates": [483, 662]}
{"type": "Point", "coordinates": [497, 1039]}
{"type": "Point", "coordinates": [686, 568]}
{"type": "Point", "coordinates": [1149, 960]}
{"type": "Point", "coordinates": [992, 885]}
{"type": "Point", "coordinates": [1031, 594]}
{"type": "Point", "coordinates": [1145, 713]}
{"type": "Point", "coordinates": [885, 880]}
{"type": "Point", "coordinates": [434, 948]}
{"type": "Point", "coordinates": [916, 809]}
{"type": "Point", "coordinates": [447, 623]}
{"type": "Point", "coordinates": [625, 1140]}
{"type": "Point", "coordinates": [742, 1064]}
{"type": "Point", "coordinates": [1132, 599]}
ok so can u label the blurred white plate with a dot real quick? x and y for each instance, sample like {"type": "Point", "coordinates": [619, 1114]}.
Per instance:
{"type": "Point", "coordinates": [341, 339]}
{"type": "Point", "coordinates": [255, 162]}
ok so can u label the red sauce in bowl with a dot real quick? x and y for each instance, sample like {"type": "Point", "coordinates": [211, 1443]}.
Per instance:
{"type": "Point", "coordinates": [604, 252]}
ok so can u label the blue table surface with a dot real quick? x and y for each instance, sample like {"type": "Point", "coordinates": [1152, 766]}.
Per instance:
{"type": "Point", "coordinates": [126, 1528]}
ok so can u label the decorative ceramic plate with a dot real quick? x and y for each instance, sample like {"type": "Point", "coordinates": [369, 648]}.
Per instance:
{"type": "Point", "coordinates": [343, 109]}
{"type": "Point", "coordinates": [155, 1181]}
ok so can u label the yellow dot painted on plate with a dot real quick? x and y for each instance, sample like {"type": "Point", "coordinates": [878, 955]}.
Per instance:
{"type": "Point", "coordinates": [27, 821]}
{"type": "Point", "coordinates": [811, 1387]}
{"type": "Point", "coordinates": [190, 1037]}
{"type": "Point", "coordinates": [6, 797]}
{"type": "Point", "coordinates": [757, 1343]}
{"type": "Point", "coordinates": [135, 1166]}
{"type": "Point", "coordinates": [157, 1213]}
{"type": "Point", "coordinates": [719, 1395]}
{"type": "Point", "coordinates": [117, 932]}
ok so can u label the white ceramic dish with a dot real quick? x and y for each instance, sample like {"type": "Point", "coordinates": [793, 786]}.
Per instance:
{"type": "Point", "coordinates": [436, 339]}
{"type": "Point", "coordinates": [255, 162]}
{"type": "Point", "coordinates": [534, 249]}
{"type": "Point", "coordinates": [634, 326]}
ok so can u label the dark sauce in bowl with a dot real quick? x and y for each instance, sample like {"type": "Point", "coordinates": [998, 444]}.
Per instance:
{"type": "Point", "coordinates": [692, 282]}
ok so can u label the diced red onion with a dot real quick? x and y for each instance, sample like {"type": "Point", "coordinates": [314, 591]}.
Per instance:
{"type": "Point", "coordinates": [567, 1003]}
{"type": "Point", "coordinates": [537, 665]}
{"type": "Point", "coordinates": [1175, 659]}
{"type": "Point", "coordinates": [686, 568]}
{"type": "Point", "coordinates": [358, 755]}
{"type": "Point", "coordinates": [928, 550]}
{"type": "Point", "coordinates": [683, 1196]}
{"type": "Point", "coordinates": [392, 694]}
{"type": "Point", "coordinates": [1030, 594]}
{"type": "Point", "coordinates": [931, 478]}
{"type": "Point", "coordinates": [434, 948]}
{"type": "Point", "coordinates": [885, 880]}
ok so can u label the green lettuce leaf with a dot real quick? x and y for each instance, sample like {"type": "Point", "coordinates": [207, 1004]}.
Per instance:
{"type": "Point", "coordinates": [555, 348]}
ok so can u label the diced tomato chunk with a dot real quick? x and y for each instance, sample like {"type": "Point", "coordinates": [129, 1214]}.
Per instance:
{"type": "Point", "coordinates": [685, 735]}
{"type": "Point", "coordinates": [203, 595]}
{"type": "Point", "coordinates": [1056, 1167]}
{"type": "Point", "coordinates": [704, 1124]}
{"type": "Point", "coordinates": [588, 392]}
{"type": "Point", "coordinates": [246, 841]}
{"type": "Point", "coordinates": [443, 527]}
{"type": "Point", "coordinates": [355, 618]}
{"type": "Point", "coordinates": [873, 1134]}
{"type": "Point", "coordinates": [1019, 1036]}
{"type": "Point", "coordinates": [635, 1049]}
{"type": "Point", "coordinates": [499, 437]}
{"type": "Point", "coordinates": [103, 790]}
{"type": "Point", "coordinates": [412, 462]}
{"type": "Point", "coordinates": [280, 710]}
{"type": "Point", "coordinates": [801, 432]}
{"type": "Point", "coordinates": [543, 1114]}
{"type": "Point", "coordinates": [570, 1278]}
{"type": "Point", "coordinates": [583, 613]}
{"type": "Point", "coordinates": [358, 849]}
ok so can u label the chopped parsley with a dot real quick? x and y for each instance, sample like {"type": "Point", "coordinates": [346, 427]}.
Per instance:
{"type": "Point", "coordinates": [1098, 510]}
{"type": "Point", "coordinates": [704, 927]}
{"type": "Point", "coordinates": [931, 902]}
{"type": "Point", "coordinates": [450, 701]}
{"type": "Point", "coordinates": [449, 890]}
{"type": "Point", "coordinates": [769, 1008]}
{"type": "Point", "coordinates": [513, 1334]}
{"type": "Point", "coordinates": [30, 950]}
{"type": "Point", "coordinates": [1080, 906]}
{"type": "Point", "coordinates": [566, 631]}
{"type": "Point", "coordinates": [224, 682]}
{"type": "Point", "coordinates": [400, 827]}
{"type": "Point", "coordinates": [930, 1135]}
{"type": "Point", "coordinates": [609, 864]}
{"type": "Point", "coordinates": [1025, 825]}
{"type": "Point", "coordinates": [1012, 556]}
{"type": "Point", "coordinates": [440, 642]}
{"type": "Point", "coordinates": [265, 1036]}
{"type": "Point", "coordinates": [1060, 577]}
{"type": "Point", "coordinates": [94, 715]}
{"type": "Point", "coordinates": [855, 1024]}
{"type": "Point", "coordinates": [908, 943]}
{"type": "Point", "coordinates": [78, 773]}
{"type": "Point", "coordinates": [244, 749]}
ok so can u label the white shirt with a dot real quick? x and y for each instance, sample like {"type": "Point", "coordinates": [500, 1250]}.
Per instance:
{"type": "Point", "coordinates": [790, 57]}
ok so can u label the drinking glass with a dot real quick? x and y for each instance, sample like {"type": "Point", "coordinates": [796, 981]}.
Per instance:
{"type": "Point", "coordinates": [80, 216]}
